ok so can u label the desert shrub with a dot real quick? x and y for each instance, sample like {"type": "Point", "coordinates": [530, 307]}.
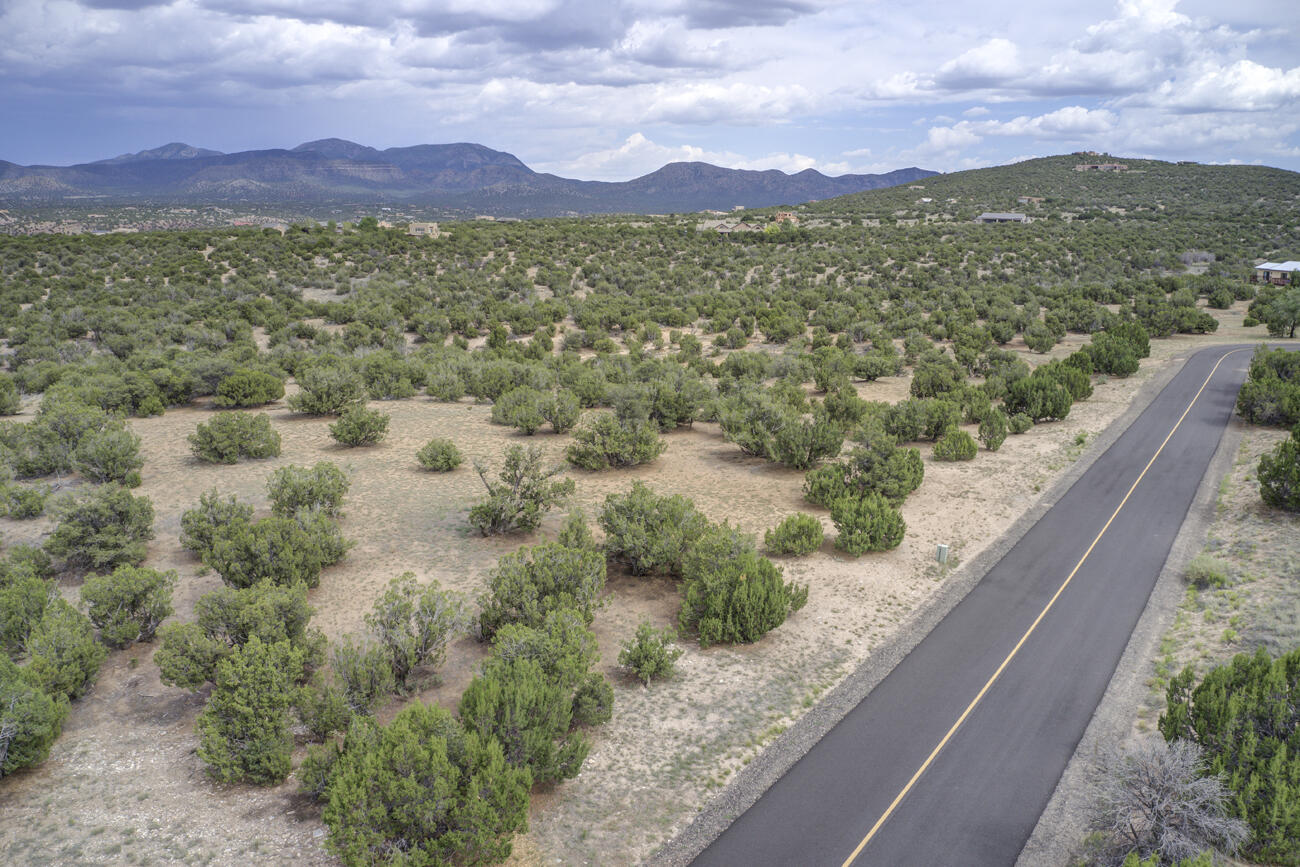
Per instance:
{"type": "Point", "coordinates": [440, 455]}
{"type": "Point", "coordinates": [30, 719]}
{"type": "Point", "coordinates": [1019, 423]}
{"type": "Point", "coordinates": [562, 410]}
{"type": "Point", "coordinates": [128, 604]}
{"type": "Point", "coordinates": [574, 532]}
{"type": "Point", "coordinates": [521, 408]}
{"type": "Point", "coordinates": [651, 534]}
{"type": "Point", "coordinates": [955, 445]}
{"type": "Point", "coordinates": [531, 715]}
{"type": "Point", "coordinates": [523, 493]}
{"type": "Point", "coordinates": [63, 656]}
{"type": "Point", "coordinates": [103, 528]}
{"type": "Point", "coordinates": [321, 487]}
{"type": "Point", "coordinates": [109, 455]}
{"type": "Point", "coordinates": [1039, 337]}
{"type": "Point", "coordinates": [226, 619]}
{"type": "Point", "coordinates": [1040, 398]}
{"type": "Point", "coordinates": [1206, 571]}
{"type": "Point", "coordinates": [244, 733]}
{"type": "Point", "coordinates": [1271, 393]}
{"type": "Point", "coordinates": [993, 429]}
{"type": "Point", "coordinates": [322, 708]}
{"type": "Point", "coordinates": [281, 550]}
{"type": "Point", "coordinates": [1154, 800]}
{"type": "Point", "coordinates": [327, 390]}
{"type": "Point", "coordinates": [358, 426]}
{"type": "Point", "coordinates": [876, 465]}
{"type": "Point", "coordinates": [421, 790]}
{"type": "Point", "coordinates": [562, 644]}
{"type": "Point", "coordinates": [10, 401]}
{"type": "Point", "coordinates": [1279, 474]}
{"type": "Point", "coordinates": [867, 523]}
{"type": "Point", "coordinates": [234, 435]}
{"type": "Point", "coordinates": [413, 624]}
{"type": "Point", "coordinates": [1243, 716]}
{"type": "Point", "coordinates": [24, 596]}
{"type": "Point", "coordinates": [802, 442]}
{"type": "Point", "coordinates": [364, 673]}
{"type": "Point", "coordinates": [735, 599]}
{"type": "Point", "coordinates": [650, 654]}
{"type": "Point", "coordinates": [606, 442]}
{"type": "Point", "coordinates": [530, 583]}
{"type": "Point", "coordinates": [798, 534]}
{"type": "Point", "coordinates": [199, 525]}
{"type": "Point", "coordinates": [21, 503]}
{"type": "Point", "coordinates": [245, 388]}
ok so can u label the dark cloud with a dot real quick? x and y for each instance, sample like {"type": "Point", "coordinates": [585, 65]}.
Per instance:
{"type": "Point", "coordinates": [716, 14]}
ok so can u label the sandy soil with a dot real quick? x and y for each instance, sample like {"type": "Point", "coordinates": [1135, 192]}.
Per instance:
{"type": "Point", "coordinates": [123, 783]}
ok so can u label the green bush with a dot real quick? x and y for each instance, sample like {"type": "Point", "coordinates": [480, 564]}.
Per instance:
{"type": "Point", "coordinates": [798, 534]}
{"type": "Point", "coordinates": [955, 445]}
{"type": "Point", "coordinates": [531, 715]}
{"type": "Point", "coordinates": [1205, 572]}
{"type": "Point", "coordinates": [530, 583]}
{"type": "Point", "coordinates": [22, 503]}
{"type": "Point", "coordinates": [321, 487]}
{"type": "Point", "coordinates": [877, 465]}
{"type": "Point", "coordinates": [128, 604]}
{"type": "Point", "coordinates": [244, 733]}
{"type": "Point", "coordinates": [364, 673]}
{"type": "Point", "coordinates": [327, 390]}
{"type": "Point", "coordinates": [226, 619]}
{"type": "Point", "coordinates": [24, 596]}
{"type": "Point", "coordinates": [607, 442]}
{"type": "Point", "coordinates": [562, 410]}
{"type": "Point", "coordinates": [10, 402]}
{"type": "Point", "coordinates": [736, 599]}
{"type": "Point", "coordinates": [867, 523]}
{"type": "Point", "coordinates": [101, 529]}
{"type": "Point", "coordinates": [651, 534]}
{"type": "Point", "coordinates": [358, 426]}
{"type": "Point", "coordinates": [523, 493]}
{"type": "Point", "coordinates": [440, 455]}
{"type": "Point", "coordinates": [1040, 398]}
{"type": "Point", "coordinates": [650, 654]}
{"type": "Point", "coordinates": [1279, 474]}
{"type": "Point", "coordinates": [281, 550]}
{"type": "Point", "coordinates": [993, 429]}
{"type": "Point", "coordinates": [521, 408]}
{"type": "Point", "coordinates": [234, 435]}
{"type": "Point", "coordinates": [109, 455]}
{"type": "Point", "coordinates": [30, 719]}
{"type": "Point", "coordinates": [199, 526]}
{"type": "Point", "coordinates": [801, 443]}
{"type": "Point", "coordinates": [246, 388]}
{"type": "Point", "coordinates": [63, 656]}
{"type": "Point", "coordinates": [1243, 715]}
{"type": "Point", "coordinates": [414, 624]}
{"type": "Point", "coordinates": [1019, 423]}
{"type": "Point", "coordinates": [421, 790]}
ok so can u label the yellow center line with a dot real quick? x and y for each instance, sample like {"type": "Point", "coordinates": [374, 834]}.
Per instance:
{"type": "Point", "coordinates": [998, 673]}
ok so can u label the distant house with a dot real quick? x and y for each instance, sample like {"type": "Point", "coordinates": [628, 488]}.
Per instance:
{"type": "Point", "coordinates": [1030, 200]}
{"type": "Point", "coordinates": [1277, 273]}
{"type": "Point", "coordinates": [731, 228]}
{"type": "Point", "coordinates": [1100, 167]}
{"type": "Point", "coordinates": [787, 217]}
{"type": "Point", "coordinates": [423, 230]}
{"type": "Point", "coordinates": [993, 217]}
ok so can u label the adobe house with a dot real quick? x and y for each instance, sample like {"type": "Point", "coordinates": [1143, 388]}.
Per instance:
{"type": "Point", "coordinates": [423, 230]}
{"type": "Point", "coordinates": [1277, 273]}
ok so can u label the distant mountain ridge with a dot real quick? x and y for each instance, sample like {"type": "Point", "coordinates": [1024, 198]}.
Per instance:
{"type": "Point", "coordinates": [458, 176]}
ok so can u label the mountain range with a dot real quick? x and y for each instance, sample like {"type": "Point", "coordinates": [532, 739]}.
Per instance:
{"type": "Point", "coordinates": [458, 177]}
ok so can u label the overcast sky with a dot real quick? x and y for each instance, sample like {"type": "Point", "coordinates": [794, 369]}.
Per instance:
{"type": "Point", "coordinates": [612, 89]}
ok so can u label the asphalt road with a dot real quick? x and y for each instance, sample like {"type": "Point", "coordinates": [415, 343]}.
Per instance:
{"type": "Point", "coordinates": [977, 802]}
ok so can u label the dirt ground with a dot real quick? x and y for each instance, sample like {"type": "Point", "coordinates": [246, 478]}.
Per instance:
{"type": "Point", "coordinates": [123, 784]}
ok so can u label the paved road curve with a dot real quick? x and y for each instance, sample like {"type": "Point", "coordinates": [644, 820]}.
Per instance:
{"type": "Point", "coordinates": [978, 800]}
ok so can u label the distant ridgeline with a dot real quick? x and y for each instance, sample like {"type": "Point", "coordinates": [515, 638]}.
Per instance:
{"type": "Point", "coordinates": [464, 177]}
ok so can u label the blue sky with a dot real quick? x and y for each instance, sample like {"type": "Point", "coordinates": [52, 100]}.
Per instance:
{"type": "Point", "coordinates": [613, 89]}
